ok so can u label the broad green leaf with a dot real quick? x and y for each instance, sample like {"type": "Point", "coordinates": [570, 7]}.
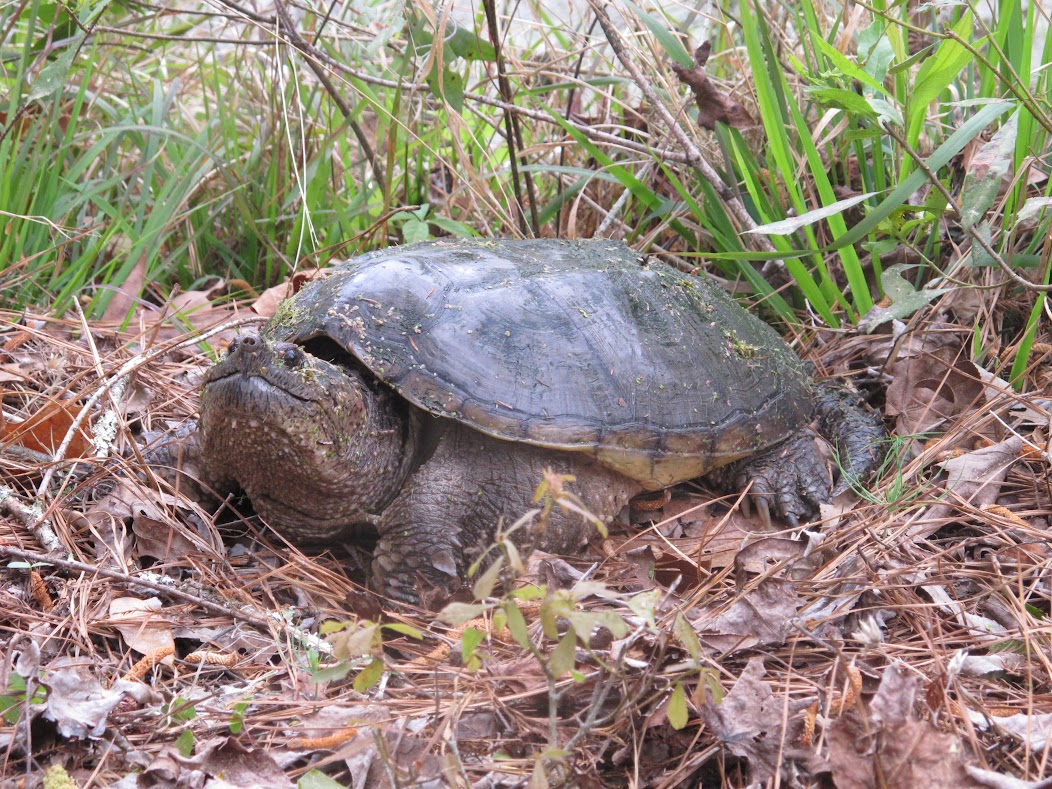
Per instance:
{"type": "Point", "coordinates": [848, 68]}
{"type": "Point", "coordinates": [404, 629]}
{"type": "Point", "coordinates": [684, 631]}
{"type": "Point", "coordinates": [484, 585]}
{"type": "Point", "coordinates": [184, 743]}
{"type": "Point", "coordinates": [905, 300]}
{"type": "Point", "coordinates": [467, 44]}
{"type": "Point", "coordinates": [517, 624]}
{"type": "Point", "coordinates": [469, 641]}
{"type": "Point", "coordinates": [53, 76]}
{"type": "Point", "coordinates": [316, 779]}
{"type": "Point", "coordinates": [986, 172]}
{"type": "Point", "coordinates": [841, 99]}
{"type": "Point", "coordinates": [369, 675]}
{"type": "Point", "coordinates": [562, 659]}
{"type": "Point", "coordinates": [514, 558]}
{"type": "Point", "coordinates": [456, 614]}
{"type": "Point", "coordinates": [447, 85]}
{"type": "Point", "coordinates": [332, 673]}
{"type": "Point", "coordinates": [935, 75]}
{"type": "Point", "coordinates": [886, 111]}
{"type": "Point", "coordinates": [453, 227]}
{"type": "Point", "coordinates": [528, 592]}
{"type": "Point", "coordinates": [677, 707]}
{"type": "Point", "coordinates": [613, 622]}
{"type": "Point", "coordinates": [875, 51]}
{"type": "Point", "coordinates": [645, 605]}
{"type": "Point", "coordinates": [330, 626]}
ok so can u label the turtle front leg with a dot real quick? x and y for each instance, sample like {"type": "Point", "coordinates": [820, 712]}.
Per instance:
{"type": "Point", "coordinates": [789, 480]}
{"type": "Point", "coordinates": [447, 515]}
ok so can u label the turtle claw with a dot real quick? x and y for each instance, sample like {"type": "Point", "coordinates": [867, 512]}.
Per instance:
{"type": "Point", "coordinates": [763, 510]}
{"type": "Point", "coordinates": [787, 482]}
{"type": "Point", "coordinates": [745, 504]}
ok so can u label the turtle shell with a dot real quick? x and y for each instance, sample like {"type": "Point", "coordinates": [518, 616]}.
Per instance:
{"type": "Point", "coordinates": [576, 345]}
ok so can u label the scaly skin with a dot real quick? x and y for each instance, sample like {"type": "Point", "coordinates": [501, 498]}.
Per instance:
{"type": "Point", "coordinates": [448, 513]}
{"type": "Point", "coordinates": [319, 453]}
{"type": "Point", "coordinates": [791, 480]}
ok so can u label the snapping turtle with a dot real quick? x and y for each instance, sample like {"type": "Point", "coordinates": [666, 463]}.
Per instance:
{"type": "Point", "coordinates": [423, 390]}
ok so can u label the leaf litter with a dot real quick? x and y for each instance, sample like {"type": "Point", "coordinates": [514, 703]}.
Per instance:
{"type": "Point", "coordinates": [901, 643]}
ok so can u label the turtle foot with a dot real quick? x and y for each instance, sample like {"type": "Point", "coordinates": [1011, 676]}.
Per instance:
{"type": "Point", "coordinates": [788, 481]}
{"type": "Point", "coordinates": [856, 431]}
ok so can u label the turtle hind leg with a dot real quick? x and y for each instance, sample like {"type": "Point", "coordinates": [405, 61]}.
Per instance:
{"type": "Point", "coordinates": [856, 431]}
{"type": "Point", "coordinates": [447, 515]}
{"type": "Point", "coordinates": [788, 481]}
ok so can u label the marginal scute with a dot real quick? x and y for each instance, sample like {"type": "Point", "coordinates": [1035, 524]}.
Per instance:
{"type": "Point", "coordinates": [581, 346]}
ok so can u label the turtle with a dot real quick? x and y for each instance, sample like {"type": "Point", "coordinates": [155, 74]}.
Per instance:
{"type": "Point", "coordinates": [422, 392]}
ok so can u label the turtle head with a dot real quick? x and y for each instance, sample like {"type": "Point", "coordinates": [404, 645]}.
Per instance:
{"type": "Point", "coordinates": [311, 442]}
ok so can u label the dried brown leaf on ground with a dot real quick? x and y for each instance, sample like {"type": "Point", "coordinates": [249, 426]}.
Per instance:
{"type": "Point", "coordinates": [884, 744]}
{"type": "Point", "coordinates": [142, 625]}
{"type": "Point", "coordinates": [762, 615]}
{"type": "Point", "coordinates": [974, 479]}
{"type": "Point", "coordinates": [752, 723]}
{"type": "Point", "coordinates": [45, 428]}
{"type": "Point", "coordinates": [224, 759]}
{"type": "Point", "coordinates": [932, 382]}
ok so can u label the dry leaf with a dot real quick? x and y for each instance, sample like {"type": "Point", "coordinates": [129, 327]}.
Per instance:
{"type": "Point", "coordinates": [930, 387]}
{"type": "Point", "coordinates": [44, 430]}
{"type": "Point", "coordinates": [885, 746]}
{"type": "Point", "coordinates": [762, 616]}
{"type": "Point", "coordinates": [749, 721]}
{"type": "Point", "coordinates": [142, 627]}
{"type": "Point", "coordinates": [713, 103]}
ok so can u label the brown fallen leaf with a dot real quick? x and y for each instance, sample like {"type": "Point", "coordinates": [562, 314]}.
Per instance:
{"type": "Point", "coordinates": [713, 103]}
{"type": "Point", "coordinates": [762, 616]}
{"type": "Point", "coordinates": [974, 479]}
{"type": "Point", "coordinates": [45, 429]}
{"type": "Point", "coordinates": [930, 387]}
{"type": "Point", "coordinates": [226, 759]}
{"type": "Point", "coordinates": [752, 723]}
{"type": "Point", "coordinates": [127, 295]}
{"type": "Point", "coordinates": [884, 745]}
{"type": "Point", "coordinates": [142, 626]}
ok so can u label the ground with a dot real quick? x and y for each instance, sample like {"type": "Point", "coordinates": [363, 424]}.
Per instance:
{"type": "Point", "coordinates": [902, 636]}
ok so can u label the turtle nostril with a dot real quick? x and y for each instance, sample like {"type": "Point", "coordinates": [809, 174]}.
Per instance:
{"type": "Point", "coordinates": [250, 341]}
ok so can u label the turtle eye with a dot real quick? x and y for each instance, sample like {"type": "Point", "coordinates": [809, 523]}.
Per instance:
{"type": "Point", "coordinates": [293, 357]}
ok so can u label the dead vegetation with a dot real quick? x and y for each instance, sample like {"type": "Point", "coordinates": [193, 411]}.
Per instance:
{"type": "Point", "coordinates": [901, 642]}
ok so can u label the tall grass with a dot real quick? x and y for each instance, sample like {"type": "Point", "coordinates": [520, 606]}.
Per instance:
{"type": "Point", "coordinates": [193, 143]}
